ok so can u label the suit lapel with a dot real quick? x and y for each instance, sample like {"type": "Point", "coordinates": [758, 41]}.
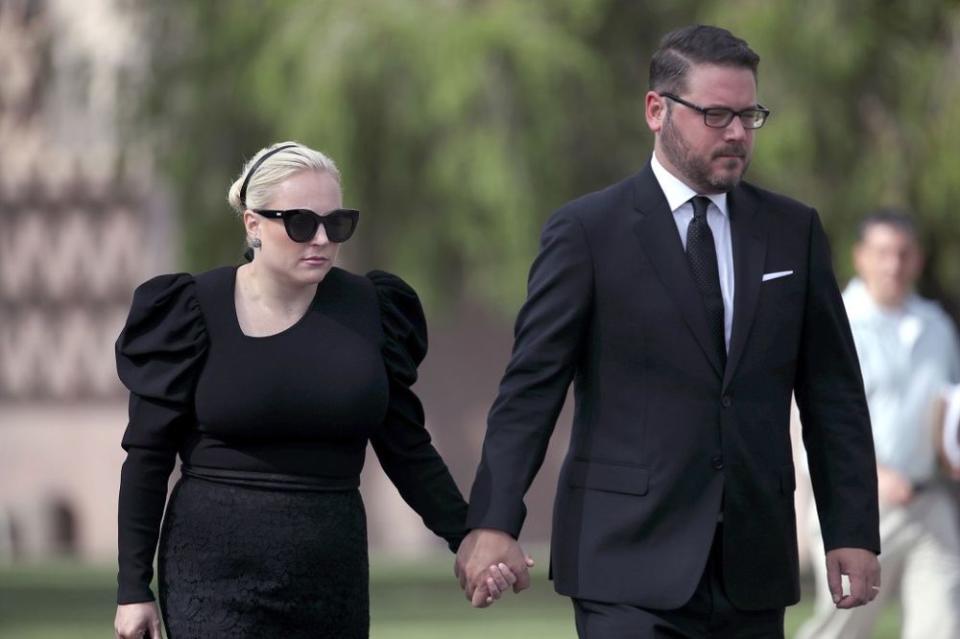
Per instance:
{"type": "Point", "coordinates": [661, 243]}
{"type": "Point", "coordinates": [748, 234]}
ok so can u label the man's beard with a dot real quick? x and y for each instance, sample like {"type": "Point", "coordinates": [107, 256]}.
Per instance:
{"type": "Point", "coordinates": [697, 170]}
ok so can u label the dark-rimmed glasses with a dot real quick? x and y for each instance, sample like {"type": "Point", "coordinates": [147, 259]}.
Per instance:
{"type": "Point", "coordinates": [302, 224]}
{"type": "Point", "coordinates": [721, 117]}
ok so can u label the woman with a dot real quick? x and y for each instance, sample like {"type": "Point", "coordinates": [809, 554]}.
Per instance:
{"type": "Point", "coordinates": [269, 379]}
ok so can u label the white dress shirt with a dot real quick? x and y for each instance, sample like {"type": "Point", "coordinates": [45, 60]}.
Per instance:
{"type": "Point", "coordinates": [908, 356]}
{"type": "Point", "coordinates": [678, 199]}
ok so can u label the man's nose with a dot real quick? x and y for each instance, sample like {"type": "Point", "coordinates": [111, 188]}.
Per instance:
{"type": "Point", "coordinates": [898, 265]}
{"type": "Point", "coordinates": [735, 130]}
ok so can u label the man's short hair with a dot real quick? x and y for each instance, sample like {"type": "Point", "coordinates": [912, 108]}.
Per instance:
{"type": "Point", "coordinates": [897, 218]}
{"type": "Point", "coordinates": [697, 44]}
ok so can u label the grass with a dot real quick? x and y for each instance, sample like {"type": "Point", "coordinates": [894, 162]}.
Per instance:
{"type": "Point", "coordinates": [409, 599]}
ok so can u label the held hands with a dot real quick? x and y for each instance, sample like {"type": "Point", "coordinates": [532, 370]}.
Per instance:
{"type": "Point", "coordinates": [863, 570]}
{"type": "Point", "coordinates": [488, 563]}
{"type": "Point", "coordinates": [137, 621]}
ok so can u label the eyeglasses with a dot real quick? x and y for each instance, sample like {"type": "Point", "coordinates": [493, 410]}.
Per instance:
{"type": "Point", "coordinates": [302, 224]}
{"type": "Point", "coordinates": [721, 117]}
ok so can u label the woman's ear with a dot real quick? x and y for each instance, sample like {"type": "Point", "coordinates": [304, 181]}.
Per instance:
{"type": "Point", "coordinates": [251, 223]}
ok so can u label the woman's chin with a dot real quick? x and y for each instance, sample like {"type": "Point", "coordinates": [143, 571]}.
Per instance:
{"type": "Point", "coordinates": [312, 272]}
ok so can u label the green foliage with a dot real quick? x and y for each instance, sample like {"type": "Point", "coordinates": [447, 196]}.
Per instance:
{"type": "Point", "coordinates": [459, 125]}
{"type": "Point", "coordinates": [866, 114]}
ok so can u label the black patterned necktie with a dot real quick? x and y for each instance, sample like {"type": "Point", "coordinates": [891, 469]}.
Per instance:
{"type": "Point", "coordinates": [702, 257]}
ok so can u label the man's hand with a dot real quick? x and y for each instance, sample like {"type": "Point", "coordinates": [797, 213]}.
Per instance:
{"type": "Point", "coordinates": [863, 570]}
{"type": "Point", "coordinates": [137, 621]}
{"type": "Point", "coordinates": [482, 549]}
{"type": "Point", "coordinates": [894, 488]}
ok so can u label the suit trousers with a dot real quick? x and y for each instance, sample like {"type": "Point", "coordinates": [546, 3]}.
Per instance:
{"type": "Point", "coordinates": [708, 614]}
{"type": "Point", "coordinates": [920, 559]}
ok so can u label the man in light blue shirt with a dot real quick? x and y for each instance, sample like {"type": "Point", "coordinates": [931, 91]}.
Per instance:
{"type": "Point", "coordinates": [909, 353]}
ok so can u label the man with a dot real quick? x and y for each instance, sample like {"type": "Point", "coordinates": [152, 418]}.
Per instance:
{"type": "Point", "coordinates": [910, 355]}
{"type": "Point", "coordinates": [686, 323]}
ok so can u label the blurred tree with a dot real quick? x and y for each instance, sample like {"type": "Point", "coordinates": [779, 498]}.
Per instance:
{"type": "Point", "coordinates": [460, 124]}
{"type": "Point", "coordinates": [866, 114]}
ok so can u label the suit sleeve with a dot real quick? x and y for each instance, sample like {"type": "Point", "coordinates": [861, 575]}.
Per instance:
{"type": "Point", "coordinates": [833, 411]}
{"type": "Point", "coordinates": [547, 341]}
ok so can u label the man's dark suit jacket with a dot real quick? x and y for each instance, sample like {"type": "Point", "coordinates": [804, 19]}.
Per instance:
{"type": "Point", "coordinates": [664, 438]}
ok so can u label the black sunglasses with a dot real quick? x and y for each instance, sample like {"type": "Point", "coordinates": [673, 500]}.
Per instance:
{"type": "Point", "coordinates": [721, 117]}
{"type": "Point", "coordinates": [302, 224]}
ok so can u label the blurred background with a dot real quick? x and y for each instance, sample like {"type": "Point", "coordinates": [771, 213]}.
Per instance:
{"type": "Point", "coordinates": [458, 125]}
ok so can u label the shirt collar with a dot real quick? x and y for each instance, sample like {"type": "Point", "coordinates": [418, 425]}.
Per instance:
{"type": "Point", "coordinates": [677, 192]}
{"type": "Point", "coordinates": [859, 304]}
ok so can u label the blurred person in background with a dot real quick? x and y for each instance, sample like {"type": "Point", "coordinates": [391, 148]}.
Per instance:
{"type": "Point", "coordinates": [948, 417]}
{"type": "Point", "coordinates": [909, 355]}
{"type": "Point", "coordinates": [685, 305]}
{"type": "Point", "coordinates": [269, 379]}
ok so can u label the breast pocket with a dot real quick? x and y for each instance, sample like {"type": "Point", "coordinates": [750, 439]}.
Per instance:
{"type": "Point", "coordinates": [781, 282]}
{"type": "Point", "coordinates": [783, 296]}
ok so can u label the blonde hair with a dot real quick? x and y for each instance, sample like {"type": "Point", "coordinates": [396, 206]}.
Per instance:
{"type": "Point", "coordinates": [274, 170]}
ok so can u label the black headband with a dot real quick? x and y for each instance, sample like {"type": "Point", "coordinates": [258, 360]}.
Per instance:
{"type": "Point", "coordinates": [253, 169]}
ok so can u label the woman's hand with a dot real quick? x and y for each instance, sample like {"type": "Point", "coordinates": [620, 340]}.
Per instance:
{"type": "Point", "coordinates": [481, 551]}
{"type": "Point", "coordinates": [498, 580]}
{"type": "Point", "coordinates": [137, 621]}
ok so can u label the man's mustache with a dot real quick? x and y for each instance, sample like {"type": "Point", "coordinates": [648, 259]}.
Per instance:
{"type": "Point", "coordinates": [734, 150]}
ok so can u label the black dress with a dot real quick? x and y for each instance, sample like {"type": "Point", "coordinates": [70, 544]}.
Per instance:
{"type": "Point", "coordinates": [265, 533]}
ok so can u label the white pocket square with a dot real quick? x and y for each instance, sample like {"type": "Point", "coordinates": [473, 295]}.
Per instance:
{"type": "Point", "coordinates": [778, 274]}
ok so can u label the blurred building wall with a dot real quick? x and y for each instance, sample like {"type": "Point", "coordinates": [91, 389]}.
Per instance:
{"type": "Point", "coordinates": [82, 223]}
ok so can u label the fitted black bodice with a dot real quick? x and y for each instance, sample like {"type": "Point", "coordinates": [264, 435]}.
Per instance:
{"type": "Point", "coordinates": [301, 403]}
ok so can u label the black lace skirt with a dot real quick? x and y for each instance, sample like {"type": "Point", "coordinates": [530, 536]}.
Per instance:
{"type": "Point", "coordinates": [243, 562]}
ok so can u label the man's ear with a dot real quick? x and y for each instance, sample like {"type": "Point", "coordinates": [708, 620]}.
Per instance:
{"type": "Point", "coordinates": [655, 110]}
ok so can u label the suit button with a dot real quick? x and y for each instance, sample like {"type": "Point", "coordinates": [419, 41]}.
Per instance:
{"type": "Point", "coordinates": [726, 401]}
{"type": "Point", "coordinates": [717, 462]}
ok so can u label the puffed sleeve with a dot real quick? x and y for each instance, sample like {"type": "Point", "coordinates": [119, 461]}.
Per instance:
{"type": "Point", "coordinates": [402, 442]}
{"type": "Point", "coordinates": [159, 353]}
